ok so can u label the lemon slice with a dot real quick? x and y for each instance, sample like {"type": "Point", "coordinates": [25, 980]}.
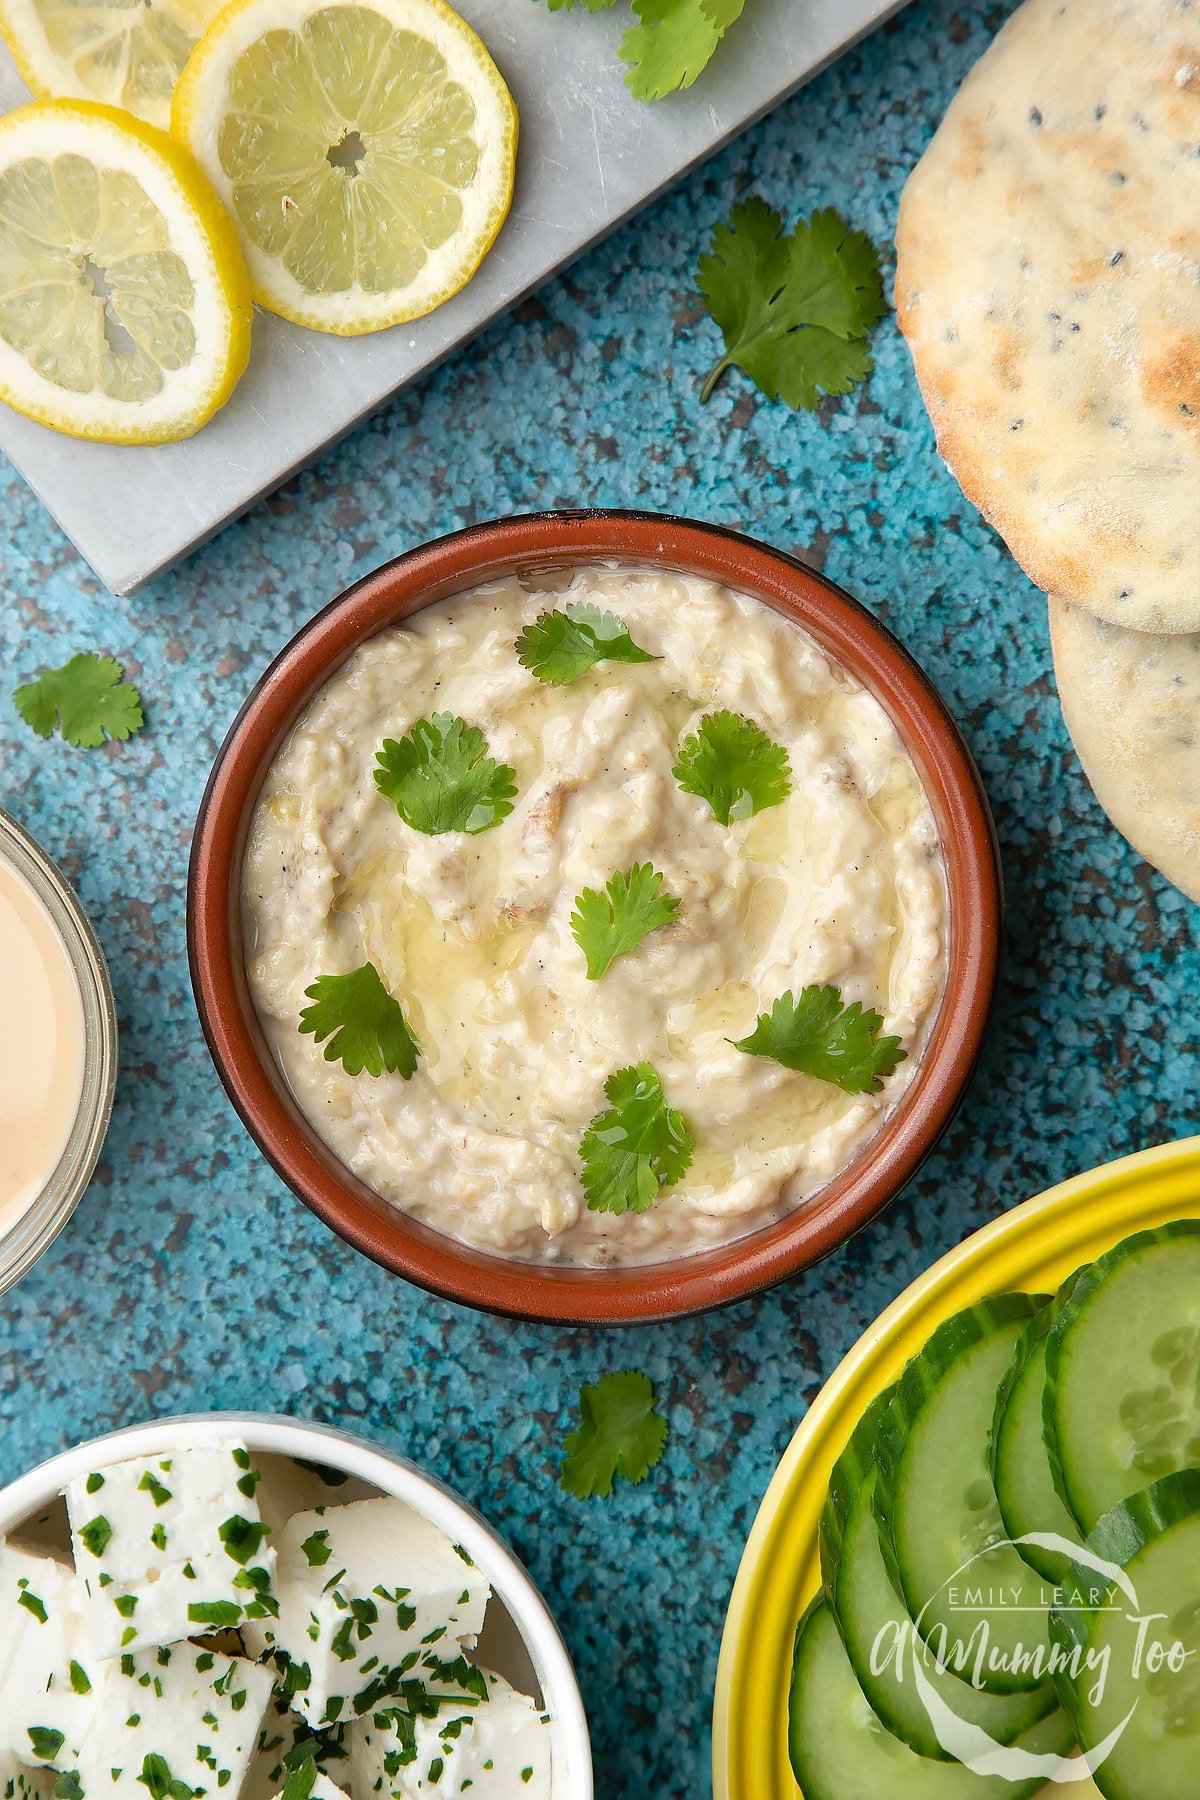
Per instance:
{"type": "Point", "coordinates": [365, 150]}
{"type": "Point", "coordinates": [124, 301]}
{"type": "Point", "coordinates": [125, 52]}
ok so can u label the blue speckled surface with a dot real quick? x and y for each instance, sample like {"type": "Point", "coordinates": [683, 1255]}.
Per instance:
{"type": "Point", "coordinates": [189, 1278]}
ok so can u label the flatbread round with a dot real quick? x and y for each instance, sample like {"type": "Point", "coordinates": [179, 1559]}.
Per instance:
{"type": "Point", "coordinates": [1048, 283]}
{"type": "Point", "coordinates": [1131, 700]}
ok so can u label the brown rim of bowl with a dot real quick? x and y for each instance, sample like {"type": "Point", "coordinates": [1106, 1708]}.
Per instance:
{"type": "Point", "coordinates": [638, 1293]}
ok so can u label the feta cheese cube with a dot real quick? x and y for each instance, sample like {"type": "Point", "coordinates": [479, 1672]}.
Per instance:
{"type": "Point", "coordinates": [170, 1546]}
{"type": "Point", "coordinates": [365, 1592]}
{"type": "Point", "coordinates": [50, 1681]}
{"type": "Point", "coordinates": [178, 1721]}
{"type": "Point", "coordinates": [496, 1749]}
{"type": "Point", "coordinates": [283, 1733]}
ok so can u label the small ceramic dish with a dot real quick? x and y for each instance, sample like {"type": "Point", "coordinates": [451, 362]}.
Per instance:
{"type": "Point", "coordinates": [520, 1639]}
{"type": "Point", "coordinates": [32, 1229]}
{"type": "Point", "coordinates": [631, 1293]}
{"type": "Point", "coordinates": [1032, 1249]}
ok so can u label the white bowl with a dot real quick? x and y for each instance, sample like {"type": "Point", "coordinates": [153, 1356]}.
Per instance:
{"type": "Point", "coordinates": [520, 1640]}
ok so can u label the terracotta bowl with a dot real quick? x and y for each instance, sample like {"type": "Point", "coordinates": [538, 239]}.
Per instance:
{"type": "Point", "coordinates": [257, 1087]}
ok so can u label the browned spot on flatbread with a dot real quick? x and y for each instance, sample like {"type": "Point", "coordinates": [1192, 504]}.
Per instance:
{"type": "Point", "coordinates": [1171, 382]}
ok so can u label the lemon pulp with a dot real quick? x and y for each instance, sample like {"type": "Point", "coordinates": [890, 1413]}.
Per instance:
{"type": "Point", "coordinates": [91, 293]}
{"type": "Point", "coordinates": [127, 53]}
{"type": "Point", "coordinates": [347, 146]}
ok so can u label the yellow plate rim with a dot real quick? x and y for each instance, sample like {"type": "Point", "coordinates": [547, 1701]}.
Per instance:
{"type": "Point", "coordinates": [1034, 1245]}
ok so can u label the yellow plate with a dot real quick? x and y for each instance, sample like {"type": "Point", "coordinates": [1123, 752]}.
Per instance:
{"type": "Point", "coordinates": [1035, 1246]}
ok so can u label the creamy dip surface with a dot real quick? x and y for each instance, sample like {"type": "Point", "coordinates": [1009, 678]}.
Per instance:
{"type": "Point", "coordinates": [41, 1046]}
{"type": "Point", "coordinates": [842, 883]}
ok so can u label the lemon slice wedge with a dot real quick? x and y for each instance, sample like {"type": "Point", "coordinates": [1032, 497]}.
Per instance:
{"type": "Point", "coordinates": [126, 53]}
{"type": "Point", "coordinates": [364, 147]}
{"type": "Point", "coordinates": [124, 300]}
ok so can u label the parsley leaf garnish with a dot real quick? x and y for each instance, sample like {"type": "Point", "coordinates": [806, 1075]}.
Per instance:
{"type": "Point", "coordinates": [561, 646]}
{"type": "Point", "coordinates": [636, 1146]}
{"type": "Point", "coordinates": [365, 1026]}
{"type": "Point", "coordinates": [440, 777]}
{"type": "Point", "coordinates": [619, 1434]}
{"type": "Point", "coordinates": [86, 699]}
{"type": "Point", "coordinates": [732, 763]}
{"type": "Point", "coordinates": [794, 311]}
{"type": "Point", "coordinates": [672, 42]}
{"type": "Point", "coordinates": [817, 1035]}
{"type": "Point", "coordinates": [605, 925]}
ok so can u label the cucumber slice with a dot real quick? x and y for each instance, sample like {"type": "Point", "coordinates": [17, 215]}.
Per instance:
{"type": "Point", "coordinates": [966, 1589]}
{"type": "Point", "coordinates": [1026, 1493]}
{"type": "Point", "coordinates": [1154, 1536]}
{"type": "Point", "coordinates": [840, 1751]}
{"type": "Point", "coordinates": [1122, 1406]}
{"type": "Point", "coordinates": [876, 1629]}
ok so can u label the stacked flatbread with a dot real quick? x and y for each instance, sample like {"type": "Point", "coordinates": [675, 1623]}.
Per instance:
{"type": "Point", "coordinates": [1048, 283]}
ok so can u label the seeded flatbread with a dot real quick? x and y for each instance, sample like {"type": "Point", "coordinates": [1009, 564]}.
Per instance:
{"type": "Point", "coordinates": [1048, 283]}
{"type": "Point", "coordinates": [1131, 700]}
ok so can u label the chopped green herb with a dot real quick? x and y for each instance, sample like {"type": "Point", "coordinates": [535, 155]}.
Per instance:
{"type": "Point", "coordinates": [732, 763]}
{"type": "Point", "coordinates": [636, 1146]}
{"type": "Point", "coordinates": [619, 1434]}
{"type": "Point", "coordinates": [365, 1025]}
{"type": "Point", "coordinates": [30, 1602]}
{"type": "Point", "coordinates": [440, 778]}
{"type": "Point", "coordinates": [94, 1483]}
{"type": "Point", "coordinates": [150, 1484]}
{"type": "Point", "coordinates": [86, 699]}
{"type": "Point", "coordinates": [214, 1612]}
{"type": "Point", "coordinates": [44, 1742]}
{"type": "Point", "coordinates": [79, 1679]}
{"type": "Point", "coordinates": [156, 1776]}
{"type": "Point", "coordinates": [606, 925]}
{"type": "Point", "coordinates": [95, 1535]}
{"type": "Point", "coordinates": [242, 1538]}
{"type": "Point", "coordinates": [158, 1536]}
{"type": "Point", "coordinates": [794, 311]}
{"type": "Point", "coordinates": [560, 646]}
{"type": "Point", "coordinates": [815, 1034]}
{"type": "Point", "coordinates": [316, 1549]}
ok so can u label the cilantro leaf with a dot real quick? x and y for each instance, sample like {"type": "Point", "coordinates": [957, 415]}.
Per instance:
{"type": "Point", "coordinates": [605, 925]}
{"type": "Point", "coordinates": [819, 1036]}
{"type": "Point", "coordinates": [86, 699]}
{"type": "Point", "coordinates": [365, 1026]}
{"type": "Point", "coordinates": [732, 763]}
{"type": "Point", "coordinates": [440, 777]}
{"type": "Point", "coordinates": [794, 311]}
{"type": "Point", "coordinates": [636, 1146]}
{"type": "Point", "coordinates": [619, 1434]}
{"type": "Point", "coordinates": [561, 646]}
{"type": "Point", "coordinates": [673, 42]}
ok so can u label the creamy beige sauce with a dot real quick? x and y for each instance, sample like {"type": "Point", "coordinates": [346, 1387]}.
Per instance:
{"type": "Point", "coordinates": [41, 1046]}
{"type": "Point", "coordinates": [841, 883]}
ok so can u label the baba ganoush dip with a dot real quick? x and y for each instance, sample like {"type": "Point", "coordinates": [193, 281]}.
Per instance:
{"type": "Point", "coordinates": [842, 884]}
